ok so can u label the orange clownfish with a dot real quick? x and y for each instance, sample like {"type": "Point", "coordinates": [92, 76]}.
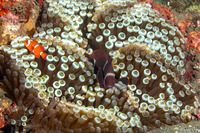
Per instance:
{"type": "Point", "coordinates": [37, 49]}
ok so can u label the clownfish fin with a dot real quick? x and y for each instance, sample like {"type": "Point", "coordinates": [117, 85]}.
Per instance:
{"type": "Point", "coordinates": [100, 77]}
{"type": "Point", "coordinates": [124, 80]}
{"type": "Point", "coordinates": [100, 57]}
{"type": "Point", "coordinates": [99, 54]}
{"type": "Point", "coordinates": [43, 55]}
{"type": "Point", "coordinates": [89, 57]}
{"type": "Point", "coordinates": [34, 43]}
{"type": "Point", "coordinates": [39, 48]}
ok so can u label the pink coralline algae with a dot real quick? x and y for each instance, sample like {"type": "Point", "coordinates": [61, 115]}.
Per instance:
{"type": "Point", "coordinates": [10, 18]}
{"type": "Point", "coordinates": [194, 40]}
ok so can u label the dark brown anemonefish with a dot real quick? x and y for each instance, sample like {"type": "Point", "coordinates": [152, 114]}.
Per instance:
{"type": "Point", "coordinates": [33, 46]}
{"type": "Point", "coordinates": [104, 69]}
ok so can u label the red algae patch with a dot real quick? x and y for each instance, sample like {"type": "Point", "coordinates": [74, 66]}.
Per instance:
{"type": "Point", "coordinates": [17, 18]}
{"type": "Point", "coordinates": [194, 40]}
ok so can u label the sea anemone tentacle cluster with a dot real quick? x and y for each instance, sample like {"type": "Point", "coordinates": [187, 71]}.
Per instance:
{"type": "Point", "coordinates": [155, 84]}
{"type": "Point", "coordinates": [115, 27]}
{"type": "Point", "coordinates": [61, 93]}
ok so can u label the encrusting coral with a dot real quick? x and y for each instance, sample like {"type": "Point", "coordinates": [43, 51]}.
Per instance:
{"type": "Point", "coordinates": [60, 92]}
{"type": "Point", "coordinates": [18, 18]}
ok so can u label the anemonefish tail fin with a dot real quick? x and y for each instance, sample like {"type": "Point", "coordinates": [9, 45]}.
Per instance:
{"type": "Point", "coordinates": [44, 55]}
{"type": "Point", "coordinates": [124, 80]}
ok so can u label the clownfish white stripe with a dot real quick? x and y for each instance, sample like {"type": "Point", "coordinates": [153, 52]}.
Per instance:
{"type": "Point", "coordinates": [41, 53]}
{"type": "Point", "coordinates": [36, 46]}
{"type": "Point", "coordinates": [94, 62]}
{"type": "Point", "coordinates": [29, 42]}
{"type": "Point", "coordinates": [105, 65]}
{"type": "Point", "coordinates": [109, 74]}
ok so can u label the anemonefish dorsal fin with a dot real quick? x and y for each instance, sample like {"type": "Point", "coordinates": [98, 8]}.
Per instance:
{"type": "Point", "coordinates": [100, 57]}
{"type": "Point", "coordinates": [34, 43]}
